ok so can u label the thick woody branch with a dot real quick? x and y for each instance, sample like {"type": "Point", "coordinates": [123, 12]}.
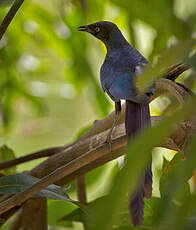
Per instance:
{"type": "Point", "coordinates": [85, 144]}
{"type": "Point", "coordinates": [59, 173]}
{"type": "Point", "coordinates": [88, 153]}
{"type": "Point", "coordinates": [163, 85]}
{"type": "Point", "coordinates": [10, 15]}
{"type": "Point", "coordinates": [83, 161]}
{"type": "Point", "coordinates": [174, 142]}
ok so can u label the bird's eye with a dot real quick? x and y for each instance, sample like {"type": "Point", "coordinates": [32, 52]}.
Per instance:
{"type": "Point", "coordinates": [97, 29]}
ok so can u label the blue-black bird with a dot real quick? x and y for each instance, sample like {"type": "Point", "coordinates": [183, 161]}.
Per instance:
{"type": "Point", "coordinates": [122, 64]}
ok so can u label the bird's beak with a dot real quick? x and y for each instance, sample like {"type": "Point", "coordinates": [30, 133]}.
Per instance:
{"type": "Point", "coordinates": [83, 28]}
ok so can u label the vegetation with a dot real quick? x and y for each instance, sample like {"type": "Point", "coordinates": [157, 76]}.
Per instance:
{"type": "Point", "coordinates": [50, 96]}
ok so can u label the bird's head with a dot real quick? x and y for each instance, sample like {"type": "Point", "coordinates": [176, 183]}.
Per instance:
{"type": "Point", "coordinates": [101, 30]}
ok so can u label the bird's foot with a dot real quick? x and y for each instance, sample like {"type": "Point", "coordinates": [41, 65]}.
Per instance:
{"type": "Point", "coordinates": [109, 141]}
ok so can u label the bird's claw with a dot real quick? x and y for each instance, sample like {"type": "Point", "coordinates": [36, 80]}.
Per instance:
{"type": "Point", "coordinates": [109, 142]}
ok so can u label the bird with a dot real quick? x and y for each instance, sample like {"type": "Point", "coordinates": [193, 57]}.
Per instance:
{"type": "Point", "coordinates": [118, 73]}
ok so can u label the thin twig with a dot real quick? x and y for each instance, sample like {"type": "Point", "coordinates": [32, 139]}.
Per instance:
{"type": "Point", "coordinates": [40, 154]}
{"type": "Point", "coordinates": [10, 15]}
{"type": "Point", "coordinates": [174, 71]}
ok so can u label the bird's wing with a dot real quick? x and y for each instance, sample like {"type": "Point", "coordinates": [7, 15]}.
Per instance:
{"type": "Point", "coordinates": [123, 88]}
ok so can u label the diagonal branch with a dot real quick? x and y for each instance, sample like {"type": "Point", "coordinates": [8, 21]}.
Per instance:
{"type": "Point", "coordinates": [73, 166]}
{"type": "Point", "coordinates": [88, 153]}
{"type": "Point", "coordinates": [10, 15]}
{"type": "Point", "coordinates": [96, 135]}
{"type": "Point", "coordinates": [37, 155]}
{"type": "Point", "coordinates": [163, 85]}
{"type": "Point", "coordinates": [174, 71]}
{"type": "Point", "coordinates": [59, 173]}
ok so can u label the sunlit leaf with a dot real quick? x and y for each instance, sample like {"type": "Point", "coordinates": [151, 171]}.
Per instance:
{"type": "Point", "coordinates": [55, 211]}
{"type": "Point", "coordinates": [7, 154]}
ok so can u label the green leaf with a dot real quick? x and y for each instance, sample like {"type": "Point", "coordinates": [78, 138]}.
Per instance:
{"type": "Point", "coordinates": [17, 183]}
{"type": "Point", "coordinates": [169, 169]}
{"type": "Point", "coordinates": [177, 53]}
{"type": "Point", "coordinates": [55, 211]}
{"type": "Point", "coordinates": [175, 214]}
{"type": "Point", "coordinates": [1, 220]}
{"type": "Point", "coordinates": [105, 214]}
{"type": "Point", "coordinates": [5, 2]}
{"type": "Point", "coordinates": [7, 154]}
{"type": "Point", "coordinates": [123, 219]}
{"type": "Point", "coordinates": [76, 215]}
{"type": "Point", "coordinates": [81, 215]}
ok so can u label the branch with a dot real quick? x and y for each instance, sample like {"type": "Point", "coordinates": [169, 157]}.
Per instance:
{"type": "Point", "coordinates": [10, 15]}
{"type": "Point", "coordinates": [6, 215]}
{"type": "Point", "coordinates": [34, 214]}
{"type": "Point", "coordinates": [88, 153]}
{"type": "Point", "coordinates": [81, 189]}
{"type": "Point", "coordinates": [40, 154]}
{"type": "Point", "coordinates": [89, 158]}
{"type": "Point", "coordinates": [81, 193]}
{"type": "Point", "coordinates": [162, 85]}
{"type": "Point", "coordinates": [59, 173]}
{"type": "Point", "coordinates": [68, 153]}
{"type": "Point", "coordinates": [17, 221]}
{"type": "Point", "coordinates": [174, 71]}
{"type": "Point", "coordinates": [96, 136]}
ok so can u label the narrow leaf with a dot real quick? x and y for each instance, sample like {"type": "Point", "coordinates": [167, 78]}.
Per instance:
{"type": "Point", "coordinates": [17, 183]}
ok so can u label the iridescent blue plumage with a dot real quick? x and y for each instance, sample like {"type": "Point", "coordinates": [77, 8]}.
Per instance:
{"type": "Point", "coordinates": [118, 74]}
{"type": "Point", "coordinates": [118, 70]}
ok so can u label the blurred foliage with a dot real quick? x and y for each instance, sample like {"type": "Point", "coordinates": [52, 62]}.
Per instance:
{"type": "Point", "coordinates": [50, 95]}
{"type": "Point", "coordinates": [16, 183]}
{"type": "Point", "coordinates": [5, 155]}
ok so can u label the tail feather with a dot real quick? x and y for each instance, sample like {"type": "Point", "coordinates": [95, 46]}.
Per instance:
{"type": "Point", "coordinates": [137, 117]}
{"type": "Point", "coordinates": [148, 182]}
{"type": "Point", "coordinates": [136, 206]}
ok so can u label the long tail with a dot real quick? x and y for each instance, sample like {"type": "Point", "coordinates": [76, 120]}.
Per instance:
{"type": "Point", "coordinates": [137, 117]}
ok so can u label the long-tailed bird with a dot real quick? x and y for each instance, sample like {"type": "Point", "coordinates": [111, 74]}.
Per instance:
{"type": "Point", "coordinates": [122, 64]}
